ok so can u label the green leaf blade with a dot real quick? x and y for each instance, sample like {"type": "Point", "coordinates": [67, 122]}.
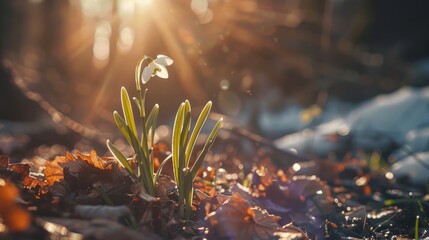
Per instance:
{"type": "Point", "coordinates": [209, 142]}
{"type": "Point", "coordinates": [137, 102]}
{"type": "Point", "coordinates": [175, 145]}
{"type": "Point", "coordinates": [151, 124]}
{"type": "Point", "coordinates": [120, 122]}
{"type": "Point", "coordinates": [197, 129]}
{"type": "Point", "coordinates": [161, 166]}
{"type": "Point", "coordinates": [128, 111]}
{"type": "Point", "coordinates": [184, 136]}
{"type": "Point", "coordinates": [120, 157]}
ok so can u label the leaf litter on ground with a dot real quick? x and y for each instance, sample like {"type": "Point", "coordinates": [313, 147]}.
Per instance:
{"type": "Point", "coordinates": [236, 198]}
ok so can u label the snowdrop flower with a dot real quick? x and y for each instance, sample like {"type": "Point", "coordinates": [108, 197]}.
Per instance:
{"type": "Point", "coordinates": [156, 68]}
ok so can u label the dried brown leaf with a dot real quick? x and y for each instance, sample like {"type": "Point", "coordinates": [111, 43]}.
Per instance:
{"type": "Point", "coordinates": [236, 219]}
{"type": "Point", "coordinates": [54, 171]}
{"type": "Point", "coordinates": [4, 161]}
{"type": "Point", "coordinates": [14, 217]}
{"type": "Point", "coordinates": [93, 160]}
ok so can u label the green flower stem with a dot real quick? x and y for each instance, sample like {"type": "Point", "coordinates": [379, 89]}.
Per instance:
{"type": "Point", "coordinates": [144, 138]}
{"type": "Point", "coordinates": [189, 194]}
{"type": "Point", "coordinates": [148, 170]}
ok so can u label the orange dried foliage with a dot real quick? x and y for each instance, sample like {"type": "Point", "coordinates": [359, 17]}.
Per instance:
{"type": "Point", "coordinates": [54, 170]}
{"type": "Point", "coordinates": [93, 160]}
{"type": "Point", "coordinates": [8, 195]}
{"type": "Point", "coordinates": [15, 218]}
{"type": "Point", "coordinates": [20, 169]}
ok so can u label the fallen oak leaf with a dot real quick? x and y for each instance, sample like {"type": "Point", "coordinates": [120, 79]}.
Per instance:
{"type": "Point", "coordinates": [93, 160]}
{"type": "Point", "coordinates": [54, 170]}
{"type": "Point", "coordinates": [31, 182]}
{"type": "Point", "coordinates": [97, 163]}
{"type": "Point", "coordinates": [53, 178]}
{"type": "Point", "coordinates": [21, 169]}
{"type": "Point", "coordinates": [237, 219]}
{"type": "Point", "coordinates": [18, 172]}
{"type": "Point", "coordinates": [65, 173]}
{"type": "Point", "coordinates": [307, 193]}
{"type": "Point", "coordinates": [79, 171]}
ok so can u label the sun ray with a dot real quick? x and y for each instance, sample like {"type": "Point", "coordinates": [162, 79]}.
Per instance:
{"type": "Point", "coordinates": [186, 74]}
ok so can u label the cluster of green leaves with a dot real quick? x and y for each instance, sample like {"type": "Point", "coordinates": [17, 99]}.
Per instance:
{"type": "Point", "coordinates": [183, 141]}
{"type": "Point", "coordinates": [183, 144]}
{"type": "Point", "coordinates": [142, 145]}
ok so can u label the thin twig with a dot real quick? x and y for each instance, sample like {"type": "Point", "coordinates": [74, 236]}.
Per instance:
{"type": "Point", "coordinates": [56, 115]}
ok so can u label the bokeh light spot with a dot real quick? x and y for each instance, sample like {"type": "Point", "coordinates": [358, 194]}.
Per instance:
{"type": "Point", "coordinates": [296, 167]}
{"type": "Point", "coordinates": [126, 39]}
{"type": "Point", "coordinates": [101, 48]}
{"type": "Point", "coordinates": [199, 6]}
{"type": "Point", "coordinates": [224, 84]}
{"type": "Point", "coordinates": [229, 102]}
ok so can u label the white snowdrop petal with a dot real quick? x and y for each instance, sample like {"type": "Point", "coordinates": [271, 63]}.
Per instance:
{"type": "Point", "coordinates": [162, 73]}
{"type": "Point", "coordinates": [147, 74]}
{"type": "Point", "coordinates": [163, 60]}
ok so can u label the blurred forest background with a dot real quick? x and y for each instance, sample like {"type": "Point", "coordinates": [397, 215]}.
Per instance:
{"type": "Point", "coordinates": [251, 57]}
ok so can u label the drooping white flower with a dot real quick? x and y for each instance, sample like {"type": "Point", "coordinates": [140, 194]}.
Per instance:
{"type": "Point", "coordinates": [156, 68]}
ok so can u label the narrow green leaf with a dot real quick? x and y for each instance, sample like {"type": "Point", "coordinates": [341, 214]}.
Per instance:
{"type": "Point", "coordinates": [189, 192]}
{"type": "Point", "coordinates": [158, 172]}
{"type": "Point", "coordinates": [142, 103]}
{"type": "Point", "coordinates": [120, 122]}
{"type": "Point", "coordinates": [121, 158]}
{"type": "Point", "coordinates": [144, 135]}
{"type": "Point", "coordinates": [151, 124]}
{"type": "Point", "coordinates": [184, 136]}
{"type": "Point", "coordinates": [175, 146]}
{"type": "Point", "coordinates": [183, 139]}
{"type": "Point", "coordinates": [137, 102]}
{"type": "Point", "coordinates": [197, 129]}
{"type": "Point", "coordinates": [132, 140]}
{"type": "Point", "coordinates": [189, 199]}
{"type": "Point", "coordinates": [207, 146]}
{"type": "Point", "coordinates": [128, 111]}
{"type": "Point", "coordinates": [141, 156]}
